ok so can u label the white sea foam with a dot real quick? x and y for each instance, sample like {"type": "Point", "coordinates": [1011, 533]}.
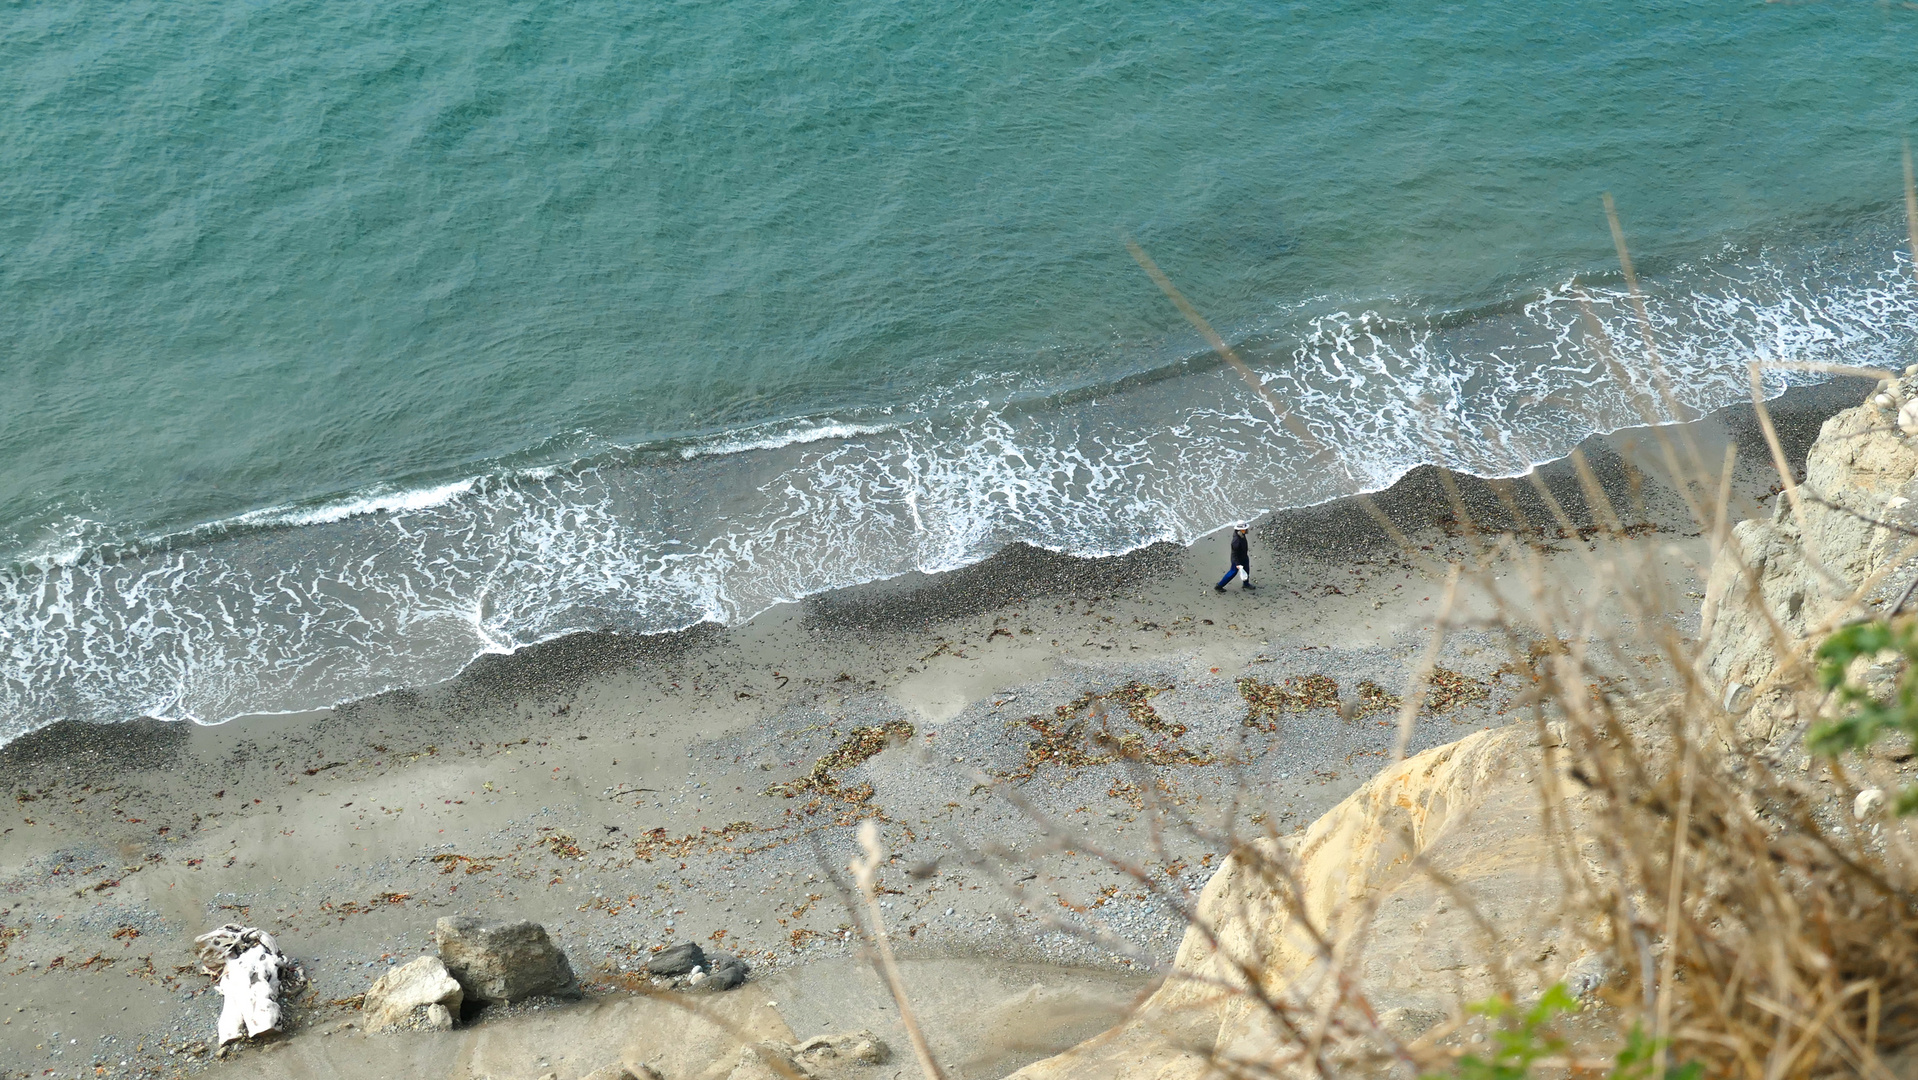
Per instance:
{"type": "Point", "coordinates": [404, 587]}
{"type": "Point", "coordinates": [375, 501]}
{"type": "Point", "coordinates": [772, 437]}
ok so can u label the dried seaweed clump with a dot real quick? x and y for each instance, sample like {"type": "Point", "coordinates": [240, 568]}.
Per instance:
{"type": "Point", "coordinates": [451, 861]}
{"type": "Point", "coordinates": [1374, 698]}
{"type": "Point", "coordinates": [1070, 739]}
{"type": "Point", "coordinates": [860, 745]}
{"type": "Point", "coordinates": [1449, 690]}
{"type": "Point", "coordinates": [562, 844]}
{"type": "Point", "coordinates": [1137, 698]}
{"type": "Point", "coordinates": [1537, 652]}
{"type": "Point", "coordinates": [655, 844]}
{"type": "Point", "coordinates": [1266, 702]}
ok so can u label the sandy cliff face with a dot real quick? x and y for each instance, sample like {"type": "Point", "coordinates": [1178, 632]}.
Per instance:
{"type": "Point", "coordinates": [1792, 582]}
{"type": "Point", "coordinates": [1469, 810]}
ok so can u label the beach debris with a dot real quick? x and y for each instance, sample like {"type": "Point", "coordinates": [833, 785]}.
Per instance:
{"type": "Point", "coordinates": [420, 996]}
{"type": "Point", "coordinates": [1266, 702]}
{"type": "Point", "coordinates": [676, 960]}
{"type": "Point", "coordinates": [1069, 739]}
{"type": "Point", "coordinates": [857, 1047]}
{"type": "Point", "coordinates": [505, 963]}
{"type": "Point", "coordinates": [1538, 656]}
{"type": "Point", "coordinates": [655, 844]}
{"type": "Point", "coordinates": [451, 861]}
{"type": "Point", "coordinates": [561, 843]}
{"type": "Point", "coordinates": [1449, 690]}
{"type": "Point", "coordinates": [1374, 698]}
{"type": "Point", "coordinates": [250, 969]}
{"type": "Point", "coordinates": [860, 745]}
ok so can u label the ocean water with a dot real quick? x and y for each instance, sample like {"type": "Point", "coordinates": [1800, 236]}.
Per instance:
{"type": "Point", "coordinates": [343, 342]}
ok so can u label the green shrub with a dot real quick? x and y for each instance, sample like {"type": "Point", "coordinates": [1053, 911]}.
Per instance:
{"type": "Point", "coordinates": [1524, 1038]}
{"type": "Point", "coordinates": [1867, 716]}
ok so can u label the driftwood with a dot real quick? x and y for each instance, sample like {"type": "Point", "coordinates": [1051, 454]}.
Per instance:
{"type": "Point", "coordinates": [251, 970]}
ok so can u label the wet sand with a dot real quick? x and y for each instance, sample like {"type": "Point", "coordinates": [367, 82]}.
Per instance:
{"type": "Point", "coordinates": [631, 793]}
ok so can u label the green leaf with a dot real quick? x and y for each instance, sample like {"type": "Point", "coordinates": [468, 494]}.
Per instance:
{"type": "Point", "coordinates": [1865, 716]}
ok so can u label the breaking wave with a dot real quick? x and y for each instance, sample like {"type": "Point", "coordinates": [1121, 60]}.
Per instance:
{"type": "Point", "coordinates": [303, 607]}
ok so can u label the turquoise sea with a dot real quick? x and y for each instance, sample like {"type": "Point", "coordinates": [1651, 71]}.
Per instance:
{"type": "Point", "coordinates": [343, 342]}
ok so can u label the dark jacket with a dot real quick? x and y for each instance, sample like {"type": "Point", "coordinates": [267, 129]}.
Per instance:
{"type": "Point", "coordinates": [1241, 556]}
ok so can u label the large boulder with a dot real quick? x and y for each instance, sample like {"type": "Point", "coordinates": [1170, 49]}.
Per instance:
{"type": "Point", "coordinates": [1780, 585]}
{"type": "Point", "coordinates": [504, 963]}
{"type": "Point", "coordinates": [420, 996]}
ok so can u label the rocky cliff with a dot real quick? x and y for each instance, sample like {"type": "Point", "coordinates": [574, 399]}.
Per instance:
{"type": "Point", "coordinates": [1787, 580]}
{"type": "Point", "coordinates": [1368, 884]}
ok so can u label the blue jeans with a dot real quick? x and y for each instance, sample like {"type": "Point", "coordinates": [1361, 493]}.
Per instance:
{"type": "Point", "coordinates": [1236, 568]}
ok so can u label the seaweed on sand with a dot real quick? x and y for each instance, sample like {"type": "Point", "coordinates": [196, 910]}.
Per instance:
{"type": "Point", "coordinates": [860, 745]}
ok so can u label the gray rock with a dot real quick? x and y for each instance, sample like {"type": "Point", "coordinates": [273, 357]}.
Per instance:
{"type": "Point", "coordinates": [420, 996]}
{"type": "Point", "coordinates": [504, 963]}
{"type": "Point", "coordinates": [678, 960]}
{"type": "Point", "coordinates": [724, 972]}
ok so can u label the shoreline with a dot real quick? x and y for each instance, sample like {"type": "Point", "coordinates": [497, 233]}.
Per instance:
{"type": "Point", "coordinates": [282, 622]}
{"type": "Point", "coordinates": [617, 789]}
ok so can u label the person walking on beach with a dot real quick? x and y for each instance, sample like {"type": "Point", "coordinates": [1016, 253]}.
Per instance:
{"type": "Point", "coordinates": [1241, 561]}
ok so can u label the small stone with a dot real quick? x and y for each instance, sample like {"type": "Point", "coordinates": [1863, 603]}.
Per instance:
{"type": "Point", "coordinates": [1908, 417]}
{"type": "Point", "coordinates": [1585, 975]}
{"type": "Point", "coordinates": [680, 959]}
{"type": "Point", "coordinates": [420, 996]}
{"type": "Point", "coordinates": [504, 963]}
{"type": "Point", "coordinates": [1867, 803]}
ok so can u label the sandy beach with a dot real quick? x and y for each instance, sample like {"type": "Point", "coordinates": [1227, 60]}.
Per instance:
{"type": "Point", "coordinates": [704, 786]}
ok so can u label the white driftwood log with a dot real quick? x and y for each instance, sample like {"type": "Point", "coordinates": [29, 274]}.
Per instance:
{"type": "Point", "coordinates": [251, 969]}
